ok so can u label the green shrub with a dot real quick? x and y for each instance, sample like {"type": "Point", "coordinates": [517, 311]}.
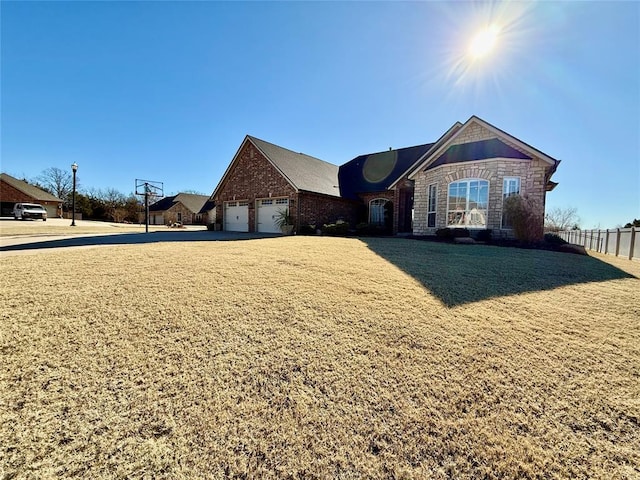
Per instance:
{"type": "Point", "coordinates": [554, 239]}
{"type": "Point", "coordinates": [482, 235]}
{"type": "Point", "coordinates": [307, 230]}
{"type": "Point", "coordinates": [526, 217]}
{"type": "Point", "coordinates": [451, 233]}
{"type": "Point", "coordinates": [338, 229]}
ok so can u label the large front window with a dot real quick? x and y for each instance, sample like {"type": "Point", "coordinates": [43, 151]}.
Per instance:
{"type": "Point", "coordinates": [468, 204]}
{"type": "Point", "coordinates": [376, 211]}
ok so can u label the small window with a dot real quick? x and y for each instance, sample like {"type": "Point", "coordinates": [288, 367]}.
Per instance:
{"type": "Point", "coordinates": [510, 186]}
{"type": "Point", "coordinates": [431, 208]}
{"type": "Point", "coordinates": [180, 217]}
{"type": "Point", "coordinates": [282, 201]}
{"type": "Point", "coordinates": [243, 204]}
{"type": "Point", "coordinates": [267, 201]}
{"type": "Point", "coordinates": [376, 211]}
{"type": "Point", "coordinates": [232, 204]}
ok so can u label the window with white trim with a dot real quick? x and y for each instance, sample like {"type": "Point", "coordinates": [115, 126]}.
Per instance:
{"type": "Point", "coordinates": [376, 211]}
{"type": "Point", "coordinates": [266, 201]}
{"type": "Point", "coordinates": [282, 201]}
{"type": "Point", "coordinates": [432, 204]}
{"type": "Point", "coordinates": [467, 203]}
{"type": "Point", "coordinates": [510, 186]}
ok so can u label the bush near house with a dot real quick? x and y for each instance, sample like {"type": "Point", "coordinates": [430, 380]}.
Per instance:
{"type": "Point", "coordinates": [525, 215]}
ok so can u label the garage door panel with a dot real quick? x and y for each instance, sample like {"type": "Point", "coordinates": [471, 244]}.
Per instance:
{"type": "Point", "coordinates": [236, 216]}
{"type": "Point", "coordinates": [267, 213]}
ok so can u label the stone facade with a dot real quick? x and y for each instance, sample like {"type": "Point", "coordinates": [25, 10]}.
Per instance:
{"type": "Point", "coordinates": [532, 174]}
{"type": "Point", "coordinates": [179, 213]}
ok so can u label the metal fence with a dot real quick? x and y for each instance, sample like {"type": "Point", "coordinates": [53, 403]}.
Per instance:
{"type": "Point", "coordinates": [621, 242]}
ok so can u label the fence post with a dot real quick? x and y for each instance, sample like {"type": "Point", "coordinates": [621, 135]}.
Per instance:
{"type": "Point", "coordinates": [598, 245]}
{"type": "Point", "coordinates": [617, 241]}
{"type": "Point", "coordinates": [632, 243]}
{"type": "Point", "coordinates": [606, 242]}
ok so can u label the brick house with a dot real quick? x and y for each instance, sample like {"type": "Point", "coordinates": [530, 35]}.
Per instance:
{"type": "Point", "coordinates": [14, 191]}
{"type": "Point", "coordinates": [264, 179]}
{"type": "Point", "coordinates": [459, 180]}
{"type": "Point", "coordinates": [463, 182]}
{"type": "Point", "coordinates": [184, 208]}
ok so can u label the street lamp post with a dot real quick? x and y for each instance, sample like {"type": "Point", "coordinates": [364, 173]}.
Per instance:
{"type": "Point", "coordinates": [74, 167]}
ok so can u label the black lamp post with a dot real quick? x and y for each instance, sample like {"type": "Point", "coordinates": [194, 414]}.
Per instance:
{"type": "Point", "coordinates": [74, 167]}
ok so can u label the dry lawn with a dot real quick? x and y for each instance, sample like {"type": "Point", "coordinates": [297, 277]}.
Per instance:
{"type": "Point", "coordinates": [55, 226]}
{"type": "Point", "coordinates": [305, 357]}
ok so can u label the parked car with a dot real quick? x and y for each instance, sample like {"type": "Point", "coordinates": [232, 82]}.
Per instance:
{"type": "Point", "coordinates": [29, 210]}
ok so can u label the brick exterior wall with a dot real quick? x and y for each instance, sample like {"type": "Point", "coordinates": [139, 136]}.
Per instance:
{"type": "Point", "coordinates": [10, 195]}
{"type": "Point", "coordinates": [317, 209]}
{"type": "Point", "coordinates": [252, 177]}
{"type": "Point", "coordinates": [532, 175]}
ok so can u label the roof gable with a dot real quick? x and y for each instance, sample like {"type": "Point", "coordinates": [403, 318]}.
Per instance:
{"type": "Point", "coordinates": [376, 172]}
{"type": "Point", "coordinates": [481, 150]}
{"type": "Point", "coordinates": [303, 172]}
{"type": "Point", "coordinates": [192, 202]}
{"type": "Point", "coordinates": [501, 134]}
{"type": "Point", "coordinates": [28, 189]}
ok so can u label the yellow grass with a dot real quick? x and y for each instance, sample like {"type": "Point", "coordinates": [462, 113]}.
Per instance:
{"type": "Point", "coordinates": [55, 226]}
{"type": "Point", "coordinates": [305, 357]}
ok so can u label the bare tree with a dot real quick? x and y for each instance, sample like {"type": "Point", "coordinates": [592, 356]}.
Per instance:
{"type": "Point", "coordinates": [57, 181]}
{"type": "Point", "coordinates": [558, 219]}
{"type": "Point", "coordinates": [114, 202]}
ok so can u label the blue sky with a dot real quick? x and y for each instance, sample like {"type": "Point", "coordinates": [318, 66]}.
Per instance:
{"type": "Point", "coordinates": [167, 90]}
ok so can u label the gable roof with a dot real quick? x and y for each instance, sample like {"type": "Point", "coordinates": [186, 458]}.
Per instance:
{"type": "Point", "coordinates": [443, 138]}
{"type": "Point", "coordinates": [191, 201]}
{"type": "Point", "coordinates": [375, 172]}
{"type": "Point", "coordinates": [303, 172]}
{"type": "Point", "coordinates": [436, 154]}
{"type": "Point", "coordinates": [28, 189]}
{"type": "Point", "coordinates": [208, 205]}
{"type": "Point", "coordinates": [481, 150]}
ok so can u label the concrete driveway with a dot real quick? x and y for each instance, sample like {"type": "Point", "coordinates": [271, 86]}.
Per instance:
{"type": "Point", "coordinates": [37, 243]}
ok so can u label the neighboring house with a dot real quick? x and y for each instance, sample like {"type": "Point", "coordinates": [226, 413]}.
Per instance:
{"type": "Point", "coordinates": [14, 191]}
{"type": "Point", "coordinates": [458, 181]}
{"type": "Point", "coordinates": [208, 212]}
{"type": "Point", "coordinates": [184, 208]}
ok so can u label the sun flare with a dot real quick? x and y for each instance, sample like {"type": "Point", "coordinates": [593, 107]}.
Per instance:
{"type": "Point", "coordinates": [484, 42]}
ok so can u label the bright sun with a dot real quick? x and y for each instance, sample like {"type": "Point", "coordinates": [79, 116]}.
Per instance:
{"type": "Point", "coordinates": [484, 42]}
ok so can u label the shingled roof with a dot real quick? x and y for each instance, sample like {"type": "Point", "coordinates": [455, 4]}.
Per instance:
{"type": "Point", "coordinates": [191, 201]}
{"type": "Point", "coordinates": [30, 190]}
{"type": "Point", "coordinates": [376, 172]}
{"type": "Point", "coordinates": [302, 171]}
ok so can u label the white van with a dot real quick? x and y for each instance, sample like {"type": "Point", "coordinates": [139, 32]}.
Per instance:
{"type": "Point", "coordinates": [29, 210]}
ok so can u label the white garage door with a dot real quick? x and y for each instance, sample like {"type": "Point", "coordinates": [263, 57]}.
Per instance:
{"type": "Point", "coordinates": [157, 219]}
{"type": "Point", "coordinates": [236, 216]}
{"type": "Point", "coordinates": [268, 209]}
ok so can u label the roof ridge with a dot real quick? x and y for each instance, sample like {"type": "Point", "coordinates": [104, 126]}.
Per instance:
{"type": "Point", "coordinates": [289, 150]}
{"type": "Point", "coordinates": [395, 149]}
